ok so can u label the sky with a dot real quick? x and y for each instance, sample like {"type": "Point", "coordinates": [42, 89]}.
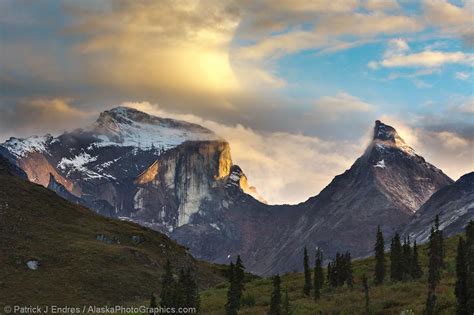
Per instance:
{"type": "Point", "coordinates": [293, 85]}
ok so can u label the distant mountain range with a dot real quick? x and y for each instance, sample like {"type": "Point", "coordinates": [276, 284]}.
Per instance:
{"type": "Point", "coordinates": [178, 178]}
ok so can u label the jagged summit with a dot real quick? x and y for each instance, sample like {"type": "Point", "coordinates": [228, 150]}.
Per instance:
{"type": "Point", "coordinates": [387, 136]}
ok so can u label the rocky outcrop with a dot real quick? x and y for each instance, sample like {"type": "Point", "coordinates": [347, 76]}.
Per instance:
{"type": "Point", "coordinates": [172, 189]}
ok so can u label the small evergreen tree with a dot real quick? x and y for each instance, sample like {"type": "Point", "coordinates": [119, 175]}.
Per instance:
{"type": "Point", "coordinates": [275, 301]}
{"type": "Point", "coordinates": [239, 271]}
{"type": "Point", "coordinates": [396, 262]}
{"type": "Point", "coordinates": [233, 302]}
{"type": "Point", "coordinates": [406, 258]}
{"type": "Point", "coordinates": [461, 279]}
{"type": "Point", "coordinates": [464, 289]}
{"type": "Point", "coordinates": [415, 269]}
{"type": "Point", "coordinates": [348, 270]}
{"type": "Point", "coordinates": [470, 267]}
{"type": "Point", "coordinates": [168, 296]}
{"type": "Point", "coordinates": [330, 275]}
{"type": "Point", "coordinates": [379, 257]}
{"type": "Point", "coordinates": [439, 234]}
{"type": "Point", "coordinates": [431, 308]}
{"type": "Point", "coordinates": [153, 305]}
{"type": "Point", "coordinates": [318, 275]}
{"type": "Point", "coordinates": [365, 284]}
{"type": "Point", "coordinates": [285, 305]}
{"type": "Point", "coordinates": [434, 262]}
{"type": "Point", "coordinates": [189, 294]}
{"type": "Point", "coordinates": [307, 274]}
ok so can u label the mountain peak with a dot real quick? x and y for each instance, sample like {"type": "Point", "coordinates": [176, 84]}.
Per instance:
{"type": "Point", "coordinates": [127, 126]}
{"type": "Point", "coordinates": [385, 135]}
{"type": "Point", "coordinates": [385, 132]}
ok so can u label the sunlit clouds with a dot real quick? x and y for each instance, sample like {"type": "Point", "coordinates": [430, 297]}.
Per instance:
{"type": "Point", "coordinates": [294, 86]}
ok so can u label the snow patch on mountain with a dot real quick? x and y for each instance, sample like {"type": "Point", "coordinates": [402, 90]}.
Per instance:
{"type": "Point", "coordinates": [79, 164]}
{"type": "Point", "coordinates": [380, 164]}
{"type": "Point", "coordinates": [21, 147]}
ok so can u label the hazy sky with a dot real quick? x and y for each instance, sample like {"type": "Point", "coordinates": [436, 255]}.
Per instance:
{"type": "Point", "coordinates": [294, 85]}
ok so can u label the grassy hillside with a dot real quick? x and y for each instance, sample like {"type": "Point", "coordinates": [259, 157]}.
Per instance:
{"type": "Point", "coordinates": [83, 258]}
{"type": "Point", "coordinates": [390, 298]}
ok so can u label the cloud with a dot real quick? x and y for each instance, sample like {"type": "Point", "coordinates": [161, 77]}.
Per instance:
{"type": "Point", "coordinates": [396, 46]}
{"type": "Point", "coordinates": [381, 5]}
{"type": "Point", "coordinates": [30, 117]}
{"type": "Point", "coordinates": [462, 76]}
{"type": "Point", "coordinates": [451, 19]}
{"type": "Point", "coordinates": [421, 84]}
{"type": "Point", "coordinates": [325, 32]}
{"type": "Point", "coordinates": [427, 59]}
{"type": "Point", "coordinates": [342, 103]}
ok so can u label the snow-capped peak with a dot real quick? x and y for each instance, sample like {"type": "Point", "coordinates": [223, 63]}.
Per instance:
{"type": "Point", "coordinates": [387, 136]}
{"type": "Point", "coordinates": [21, 147]}
{"type": "Point", "coordinates": [124, 126]}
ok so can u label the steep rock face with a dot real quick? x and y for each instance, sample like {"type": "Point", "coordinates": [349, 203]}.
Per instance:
{"type": "Point", "coordinates": [455, 206]}
{"type": "Point", "coordinates": [172, 189]}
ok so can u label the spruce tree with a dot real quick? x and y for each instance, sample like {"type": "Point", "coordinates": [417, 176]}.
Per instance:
{"type": "Point", "coordinates": [153, 305]}
{"type": "Point", "coordinates": [330, 275]}
{"type": "Point", "coordinates": [339, 270]}
{"type": "Point", "coordinates": [307, 274]}
{"type": "Point", "coordinates": [233, 303]}
{"type": "Point", "coordinates": [236, 274]}
{"type": "Point", "coordinates": [365, 284]}
{"type": "Point", "coordinates": [439, 234]}
{"type": "Point", "coordinates": [461, 279]}
{"type": "Point", "coordinates": [415, 269]}
{"type": "Point", "coordinates": [275, 301]}
{"type": "Point", "coordinates": [406, 258]}
{"type": "Point", "coordinates": [431, 308]}
{"type": "Point", "coordinates": [379, 257]}
{"type": "Point", "coordinates": [285, 304]}
{"type": "Point", "coordinates": [470, 267]}
{"type": "Point", "coordinates": [168, 287]}
{"type": "Point", "coordinates": [434, 262]}
{"type": "Point", "coordinates": [239, 271]}
{"type": "Point", "coordinates": [396, 267]}
{"type": "Point", "coordinates": [348, 270]}
{"type": "Point", "coordinates": [190, 293]}
{"type": "Point", "coordinates": [318, 275]}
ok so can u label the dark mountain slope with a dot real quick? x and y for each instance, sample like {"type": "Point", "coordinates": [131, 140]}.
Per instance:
{"type": "Point", "coordinates": [81, 257]}
{"type": "Point", "coordinates": [454, 204]}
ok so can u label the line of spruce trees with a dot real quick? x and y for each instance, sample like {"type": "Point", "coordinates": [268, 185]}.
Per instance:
{"type": "Point", "coordinates": [177, 293]}
{"type": "Point", "coordinates": [464, 288]}
{"type": "Point", "coordinates": [404, 261]}
{"type": "Point", "coordinates": [404, 266]}
{"type": "Point", "coordinates": [236, 277]}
